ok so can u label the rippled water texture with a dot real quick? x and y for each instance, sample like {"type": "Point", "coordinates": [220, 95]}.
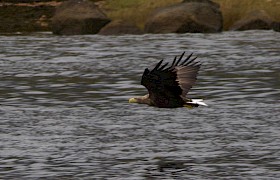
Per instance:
{"type": "Point", "coordinates": [64, 112]}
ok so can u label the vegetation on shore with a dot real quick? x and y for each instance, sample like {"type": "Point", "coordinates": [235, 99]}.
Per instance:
{"type": "Point", "coordinates": [25, 18]}
{"type": "Point", "coordinates": [137, 11]}
{"type": "Point", "coordinates": [233, 10]}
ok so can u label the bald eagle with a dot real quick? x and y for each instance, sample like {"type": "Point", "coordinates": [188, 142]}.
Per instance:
{"type": "Point", "coordinates": [168, 85]}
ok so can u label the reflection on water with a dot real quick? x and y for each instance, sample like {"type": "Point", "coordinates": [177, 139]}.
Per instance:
{"type": "Point", "coordinates": [64, 110]}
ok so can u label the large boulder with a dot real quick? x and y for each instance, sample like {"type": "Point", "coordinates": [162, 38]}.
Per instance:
{"type": "Point", "coordinates": [253, 20]}
{"type": "Point", "coordinates": [193, 17]}
{"type": "Point", "coordinates": [120, 27]}
{"type": "Point", "coordinates": [204, 1]}
{"type": "Point", "coordinates": [78, 17]}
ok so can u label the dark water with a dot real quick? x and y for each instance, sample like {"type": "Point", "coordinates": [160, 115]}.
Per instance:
{"type": "Point", "coordinates": [64, 112]}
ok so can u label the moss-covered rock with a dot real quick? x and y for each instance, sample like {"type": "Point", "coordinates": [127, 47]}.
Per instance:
{"type": "Point", "coordinates": [253, 20]}
{"type": "Point", "coordinates": [204, 1]}
{"type": "Point", "coordinates": [187, 17]}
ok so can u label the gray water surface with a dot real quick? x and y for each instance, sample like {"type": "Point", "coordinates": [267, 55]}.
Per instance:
{"type": "Point", "coordinates": [64, 111]}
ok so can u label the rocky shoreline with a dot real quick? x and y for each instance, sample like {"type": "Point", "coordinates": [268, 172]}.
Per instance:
{"type": "Point", "coordinates": [88, 17]}
{"type": "Point", "coordinates": [26, 17]}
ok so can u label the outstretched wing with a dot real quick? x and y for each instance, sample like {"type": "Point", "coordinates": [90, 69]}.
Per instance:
{"type": "Point", "coordinates": [187, 73]}
{"type": "Point", "coordinates": [165, 82]}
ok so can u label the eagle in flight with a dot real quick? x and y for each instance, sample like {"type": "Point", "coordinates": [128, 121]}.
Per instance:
{"type": "Point", "coordinates": [168, 85]}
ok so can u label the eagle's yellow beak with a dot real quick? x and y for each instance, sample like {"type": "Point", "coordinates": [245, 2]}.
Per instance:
{"type": "Point", "coordinates": [132, 100]}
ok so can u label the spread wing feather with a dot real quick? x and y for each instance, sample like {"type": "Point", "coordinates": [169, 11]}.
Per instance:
{"type": "Point", "coordinates": [166, 83]}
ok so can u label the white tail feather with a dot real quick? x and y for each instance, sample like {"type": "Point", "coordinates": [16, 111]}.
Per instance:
{"type": "Point", "coordinates": [198, 101]}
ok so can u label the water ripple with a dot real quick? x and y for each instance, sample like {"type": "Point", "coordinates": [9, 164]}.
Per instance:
{"type": "Point", "coordinates": [64, 110]}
